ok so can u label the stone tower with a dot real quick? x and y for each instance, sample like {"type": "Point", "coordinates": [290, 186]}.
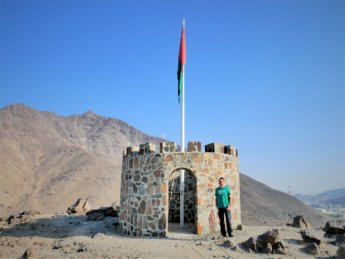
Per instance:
{"type": "Point", "coordinates": [150, 187]}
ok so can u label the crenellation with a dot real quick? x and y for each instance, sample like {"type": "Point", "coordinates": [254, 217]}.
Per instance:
{"type": "Point", "coordinates": [147, 148]}
{"type": "Point", "coordinates": [194, 146]}
{"type": "Point", "coordinates": [131, 151]}
{"type": "Point", "coordinates": [168, 147]}
{"type": "Point", "coordinates": [150, 191]}
{"type": "Point", "coordinates": [214, 147]}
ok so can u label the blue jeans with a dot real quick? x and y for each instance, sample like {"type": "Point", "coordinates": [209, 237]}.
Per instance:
{"type": "Point", "coordinates": [221, 213]}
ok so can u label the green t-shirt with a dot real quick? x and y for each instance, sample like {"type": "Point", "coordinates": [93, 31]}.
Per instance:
{"type": "Point", "coordinates": [222, 196]}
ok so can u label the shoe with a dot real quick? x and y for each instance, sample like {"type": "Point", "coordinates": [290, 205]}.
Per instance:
{"type": "Point", "coordinates": [231, 235]}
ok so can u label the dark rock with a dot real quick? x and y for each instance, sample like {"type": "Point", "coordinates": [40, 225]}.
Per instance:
{"type": "Point", "coordinates": [235, 248]}
{"type": "Point", "coordinates": [311, 237]}
{"type": "Point", "coordinates": [268, 237]}
{"type": "Point", "coordinates": [227, 244]}
{"type": "Point", "coordinates": [110, 211]}
{"type": "Point", "coordinates": [278, 248]}
{"type": "Point", "coordinates": [82, 248]}
{"type": "Point", "coordinates": [312, 249]}
{"type": "Point", "coordinates": [30, 252]}
{"type": "Point", "coordinates": [335, 227]}
{"type": "Point", "coordinates": [301, 222]}
{"type": "Point", "coordinates": [10, 219]}
{"type": "Point", "coordinates": [341, 252]}
{"type": "Point", "coordinates": [251, 244]}
{"type": "Point", "coordinates": [106, 211]}
{"type": "Point", "coordinates": [56, 246]}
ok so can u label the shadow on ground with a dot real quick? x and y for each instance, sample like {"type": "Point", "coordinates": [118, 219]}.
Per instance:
{"type": "Point", "coordinates": [60, 226]}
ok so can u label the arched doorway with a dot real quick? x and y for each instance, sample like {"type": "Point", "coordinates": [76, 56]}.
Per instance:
{"type": "Point", "coordinates": [190, 213]}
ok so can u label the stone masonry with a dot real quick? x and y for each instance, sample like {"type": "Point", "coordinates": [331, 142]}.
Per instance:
{"type": "Point", "coordinates": [150, 187]}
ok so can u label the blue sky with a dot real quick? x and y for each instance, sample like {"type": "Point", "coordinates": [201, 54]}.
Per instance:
{"type": "Point", "coordinates": [266, 76]}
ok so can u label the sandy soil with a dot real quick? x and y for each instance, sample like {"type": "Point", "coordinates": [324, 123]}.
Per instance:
{"type": "Point", "coordinates": [65, 236]}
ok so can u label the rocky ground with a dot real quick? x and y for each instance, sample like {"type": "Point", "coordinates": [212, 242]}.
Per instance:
{"type": "Point", "coordinates": [73, 236]}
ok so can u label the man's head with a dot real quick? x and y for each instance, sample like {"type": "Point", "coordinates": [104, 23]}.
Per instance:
{"type": "Point", "coordinates": [221, 181]}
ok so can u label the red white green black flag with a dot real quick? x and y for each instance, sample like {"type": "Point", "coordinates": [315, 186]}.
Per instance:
{"type": "Point", "coordinates": [181, 63]}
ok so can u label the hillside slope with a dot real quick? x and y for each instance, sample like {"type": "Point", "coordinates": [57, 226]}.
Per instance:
{"type": "Point", "coordinates": [262, 205]}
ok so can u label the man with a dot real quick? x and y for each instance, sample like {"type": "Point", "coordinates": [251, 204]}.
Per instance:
{"type": "Point", "coordinates": [223, 202]}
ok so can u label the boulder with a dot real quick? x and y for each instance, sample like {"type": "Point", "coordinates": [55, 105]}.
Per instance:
{"type": "Point", "coordinates": [266, 243]}
{"type": "Point", "coordinates": [335, 227]}
{"type": "Point", "coordinates": [341, 252]}
{"type": "Point", "coordinates": [312, 249]}
{"type": "Point", "coordinates": [81, 206]}
{"type": "Point", "coordinates": [310, 236]}
{"type": "Point", "coordinates": [227, 244]}
{"type": "Point", "coordinates": [270, 237]}
{"type": "Point", "coordinates": [10, 219]}
{"type": "Point", "coordinates": [301, 222]}
{"type": "Point", "coordinates": [251, 244]}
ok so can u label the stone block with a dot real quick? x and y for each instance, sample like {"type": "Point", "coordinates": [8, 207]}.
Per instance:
{"type": "Point", "coordinates": [164, 188]}
{"type": "Point", "coordinates": [194, 146]}
{"type": "Point", "coordinates": [215, 148]}
{"type": "Point", "coordinates": [142, 207]}
{"type": "Point", "coordinates": [168, 147]}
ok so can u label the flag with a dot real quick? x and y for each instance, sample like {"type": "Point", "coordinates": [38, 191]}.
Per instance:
{"type": "Point", "coordinates": [181, 63]}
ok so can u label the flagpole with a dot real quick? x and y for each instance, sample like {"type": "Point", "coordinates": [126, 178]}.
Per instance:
{"type": "Point", "coordinates": [182, 148]}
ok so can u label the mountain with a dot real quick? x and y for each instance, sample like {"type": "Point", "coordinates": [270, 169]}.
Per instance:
{"type": "Point", "coordinates": [340, 202]}
{"type": "Point", "coordinates": [47, 161]}
{"type": "Point", "coordinates": [324, 199]}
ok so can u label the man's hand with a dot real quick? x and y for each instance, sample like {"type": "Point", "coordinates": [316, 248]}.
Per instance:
{"type": "Point", "coordinates": [228, 208]}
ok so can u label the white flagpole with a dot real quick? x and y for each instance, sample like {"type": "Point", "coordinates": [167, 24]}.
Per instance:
{"type": "Point", "coordinates": [182, 149]}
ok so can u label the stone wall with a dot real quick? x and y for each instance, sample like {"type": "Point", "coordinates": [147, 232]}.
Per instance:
{"type": "Point", "coordinates": [144, 204]}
